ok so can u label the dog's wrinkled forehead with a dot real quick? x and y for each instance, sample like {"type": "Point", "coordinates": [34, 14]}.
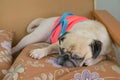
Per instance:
{"type": "Point", "coordinates": [74, 43]}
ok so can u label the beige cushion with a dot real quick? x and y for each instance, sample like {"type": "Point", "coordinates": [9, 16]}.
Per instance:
{"type": "Point", "coordinates": [5, 50]}
{"type": "Point", "coordinates": [27, 68]}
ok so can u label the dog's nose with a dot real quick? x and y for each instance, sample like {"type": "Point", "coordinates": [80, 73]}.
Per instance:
{"type": "Point", "coordinates": [62, 58]}
{"type": "Point", "coordinates": [66, 56]}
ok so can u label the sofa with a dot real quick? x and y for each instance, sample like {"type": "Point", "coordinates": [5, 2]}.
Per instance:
{"type": "Point", "coordinates": [16, 15]}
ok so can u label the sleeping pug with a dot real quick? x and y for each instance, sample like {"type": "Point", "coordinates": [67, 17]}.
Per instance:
{"type": "Point", "coordinates": [78, 40]}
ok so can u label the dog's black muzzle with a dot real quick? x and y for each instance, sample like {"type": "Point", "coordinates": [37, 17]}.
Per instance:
{"type": "Point", "coordinates": [66, 60]}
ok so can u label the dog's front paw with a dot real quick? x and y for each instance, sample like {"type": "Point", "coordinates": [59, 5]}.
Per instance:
{"type": "Point", "coordinates": [89, 62]}
{"type": "Point", "coordinates": [38, 53]}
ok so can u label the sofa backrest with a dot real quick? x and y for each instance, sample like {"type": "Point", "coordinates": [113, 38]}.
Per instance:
{"type": "Point", "coordinates": [17, 14]}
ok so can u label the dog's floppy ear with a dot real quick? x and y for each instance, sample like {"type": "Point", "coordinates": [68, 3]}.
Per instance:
{"type": "Point", "coordinates": [96, 47]}
{"type": "Point", "coordinates": [61, 38]}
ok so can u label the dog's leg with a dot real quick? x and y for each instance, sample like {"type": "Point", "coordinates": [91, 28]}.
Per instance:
{"type": "Point", "coordinates": [42, 52]}
{"type": "Point", "coordinates": [41, 33]}
{"type": "Point", "coordinates": [29, 39]}
{"type": "Point", "coordinates": [91, 61]}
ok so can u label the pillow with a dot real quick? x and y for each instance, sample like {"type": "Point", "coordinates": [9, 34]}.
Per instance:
{"type": "Point", "coordinates": [27, 68]}
{"type": "Point", "coordinates": [5, 50]}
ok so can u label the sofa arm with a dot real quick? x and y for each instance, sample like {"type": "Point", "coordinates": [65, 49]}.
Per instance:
{"type": "Point", "coordinates": [113, 27]}
{"type": "Point", "coordinates": [111, 23]}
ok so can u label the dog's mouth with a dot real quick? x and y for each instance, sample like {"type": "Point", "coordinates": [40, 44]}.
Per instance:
{"type": "Point", "coordinates": [67, 61]}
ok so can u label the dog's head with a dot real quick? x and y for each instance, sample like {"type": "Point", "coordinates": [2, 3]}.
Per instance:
{"type": "Point", "coordinates": [75, 49]}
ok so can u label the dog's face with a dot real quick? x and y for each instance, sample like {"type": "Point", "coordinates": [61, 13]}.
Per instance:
{"type": "Point", "coordinates": [74, 49]}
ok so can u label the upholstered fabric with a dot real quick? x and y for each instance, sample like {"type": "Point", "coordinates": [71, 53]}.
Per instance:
{"type": "Point", "coordinates": [27, 68]}
{"type": "Point", "coordinates": [5, 50]}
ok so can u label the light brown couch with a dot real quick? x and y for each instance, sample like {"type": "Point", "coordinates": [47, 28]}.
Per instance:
{"type": "Point", "coordinates": [15, 15]}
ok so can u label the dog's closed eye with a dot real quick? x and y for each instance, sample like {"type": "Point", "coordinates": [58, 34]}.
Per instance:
{"type": "Point", "coordinates": [77, 57]}
{"type": "Point", "coordinates": [61, 38]}
{"type": "Point", "coordinates": [62, 50]}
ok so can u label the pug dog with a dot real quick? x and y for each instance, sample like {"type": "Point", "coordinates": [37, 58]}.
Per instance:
{"type": "Point", "coordinates": [84, 42]}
